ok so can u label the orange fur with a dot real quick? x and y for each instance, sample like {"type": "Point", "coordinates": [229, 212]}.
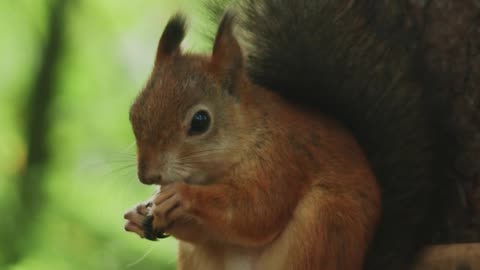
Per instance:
{"type": "Point", "coordinates": [286, 187]}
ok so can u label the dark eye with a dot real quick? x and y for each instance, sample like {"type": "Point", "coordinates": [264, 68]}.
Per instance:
{"type": "Point", "coordinates": [200, 123]}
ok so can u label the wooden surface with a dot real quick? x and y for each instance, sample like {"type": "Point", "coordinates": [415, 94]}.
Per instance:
{"type": "Point", "coordinates": [451, 257]}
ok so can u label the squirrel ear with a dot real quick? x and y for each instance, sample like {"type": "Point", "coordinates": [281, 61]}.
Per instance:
{"type": "Point", "coordinates": [227, 54]}
{"type": "Point", "coordinates": [171, 38]}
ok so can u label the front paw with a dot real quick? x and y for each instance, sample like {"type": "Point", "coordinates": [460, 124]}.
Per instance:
{"type": "Point", "coordinates": [168, 206]}
{"type": "Point", "coordinates": [136, 218]}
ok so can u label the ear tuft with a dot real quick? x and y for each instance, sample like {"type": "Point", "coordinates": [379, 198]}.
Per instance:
{"type": "Point", "coordinates": [227, 59]}
{"type": "Point", "coordinates": [225, 30]}
{"type": "Point", "coordinates": [172, 37]}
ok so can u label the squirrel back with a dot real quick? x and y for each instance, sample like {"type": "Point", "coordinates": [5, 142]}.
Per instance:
{"type": "Point", "coordinates": [333, 56]}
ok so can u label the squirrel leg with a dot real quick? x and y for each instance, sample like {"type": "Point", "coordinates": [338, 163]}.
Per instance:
{"type": "Point", "coordinates": [327, 232]}
{"type": "Point", "coordinates": [221, 212]}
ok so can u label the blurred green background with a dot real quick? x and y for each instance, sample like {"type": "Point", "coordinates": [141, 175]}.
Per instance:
{"type": "Point", "coordinates": [69, 71]}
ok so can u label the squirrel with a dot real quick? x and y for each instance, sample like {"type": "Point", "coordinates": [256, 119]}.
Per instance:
{"type": "Point", "coordinates": [304, 141]}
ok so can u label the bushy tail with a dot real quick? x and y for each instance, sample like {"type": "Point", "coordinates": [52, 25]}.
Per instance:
{"type": "Point", "coordinates": [339, 58]}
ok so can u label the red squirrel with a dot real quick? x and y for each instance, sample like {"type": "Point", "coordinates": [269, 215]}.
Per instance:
{"type": "Point", "coordinates": [244, 173]}
{"type": "Point", "coordinates": [276, 152]}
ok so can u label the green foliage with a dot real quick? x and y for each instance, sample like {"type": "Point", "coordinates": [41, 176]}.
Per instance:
{"type": "Point", "coordinates": [90, 178]}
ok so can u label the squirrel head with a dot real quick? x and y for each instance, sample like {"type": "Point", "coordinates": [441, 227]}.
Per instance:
{"type": "Point", "coordinates": [187, 119]}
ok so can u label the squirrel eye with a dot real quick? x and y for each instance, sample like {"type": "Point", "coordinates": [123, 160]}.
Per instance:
{"type": "Point", "coordinates": [200, 123]}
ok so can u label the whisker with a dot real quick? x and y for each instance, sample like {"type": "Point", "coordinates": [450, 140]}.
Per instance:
{"type": "Point", "coordinates": [182, 165]}
{"type": "Point", "coordinates": [199, 162]}
{"type": "Point", "coordinates": [127, 173]}
{"type": "Point", "coordinates": [116, 196]}
{"type": "Point", "coordinates": [179, 169]}
{"type": "Point", "coordinates": [198, 153]}
{"type": "Point", "coordinates": [101, 163]}
{"type": "Point", "coordinates": [143, 257]}
{"type": "Point", "coordinates": [121, 195]}
{"type": "Point", "coordinates": [124, 153]}
{"type": "Point", "coordinates": [122, 168]}
{"type": "Point", "coordinates": [132, 144]}
{"type": "Point", "coordinates": [184, 168]}
{"type": "Point", "coordinates": [121, 161]}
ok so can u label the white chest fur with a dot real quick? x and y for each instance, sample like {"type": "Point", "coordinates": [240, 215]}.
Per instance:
{"type": "Point", "coordinates": [237, 261]}
{"type": "Point", "coordinates": [197, 257]}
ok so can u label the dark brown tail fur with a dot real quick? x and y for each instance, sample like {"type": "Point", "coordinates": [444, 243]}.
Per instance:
{"type": "Point", "coordinates": [359, 62]}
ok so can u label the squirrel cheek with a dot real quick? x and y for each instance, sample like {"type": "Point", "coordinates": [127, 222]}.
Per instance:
{"type": "Point", "coordinates": [197, 179]}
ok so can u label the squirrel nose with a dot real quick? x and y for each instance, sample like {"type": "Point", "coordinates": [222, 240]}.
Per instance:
{"type": "Point", "coordinates": [149, 178]}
